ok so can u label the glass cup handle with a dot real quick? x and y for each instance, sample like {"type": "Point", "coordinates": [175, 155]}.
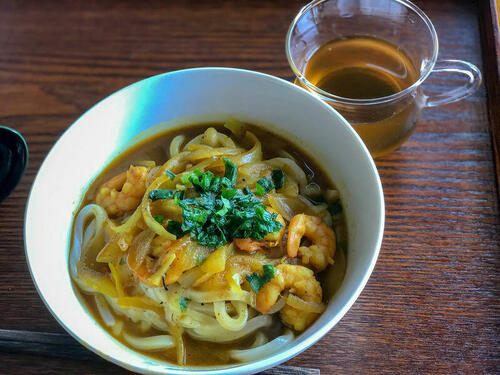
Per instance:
{"type": "Point", "coordinates": [457, 67]}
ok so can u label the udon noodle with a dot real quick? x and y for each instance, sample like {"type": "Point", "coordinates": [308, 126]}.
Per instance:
{"type": "Point", "coordinates": [209, 244]}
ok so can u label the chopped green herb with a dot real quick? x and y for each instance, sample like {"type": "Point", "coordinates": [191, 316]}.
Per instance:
{"type": "Point", "coordinates": [226, 205]}
{"type": "Point", "coordinates": [230, 172]}
{"type": "Point", "coordinates": [335, 208]}
{"type": "Point", "coordinates": [170, 174]}
{"type": "Point", "coordinates": [206, 181]}
{"type": "Point", "coordinates": [161, 194]}
{"type": "Point", "coordinates": [183, 303]}
{"type": "Point", "coordinates": [259, 190]}
{"type": "Point", "coordinates": [247, 191]}
{"type": "Point", "coordinates": [268, 271]}
{"type": "Point", "coordinates": [266, 185]}
{"type": "Point", "coordinates": [221, 213]}
{"type": "Point", "coordinates": [159, 218]}
{"type": "Point", "coordinates": [257, 281]}
{"type": "Point", "coordinates": [175, 228]}
{"type": "Point", "coordinates": [278, 178]}
{"type": "Point", "coordinates": [229, 193]}
{"type": "Point", "coordinates": [178, 196]}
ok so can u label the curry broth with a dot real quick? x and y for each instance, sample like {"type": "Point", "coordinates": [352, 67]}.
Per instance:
{"type": "Point", "coordinates": [202, 353]}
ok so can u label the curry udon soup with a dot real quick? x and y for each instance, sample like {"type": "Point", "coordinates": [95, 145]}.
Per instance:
{"type": "Point", "coordinates": [209, 245]}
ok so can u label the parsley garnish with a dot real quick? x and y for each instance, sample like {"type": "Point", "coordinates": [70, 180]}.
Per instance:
{"type": "Point", "coordinates": [230, 172]}
{"type": "Point", "coordinates": [257, 281]}
{"type": "Point", "coordinates": [206, 181]}
{"type": "Point", "coordinates": [170, 174]}
{"type": "Point", "coordinates": [247, 191]}
{"type": "Point", "coordinates": [159, 218]}
{"type": "Point", "coordinates": [174, 227]}
{"type": "Point", "coordinates": [278, 178]}
{"type": "Point", "coordinates": [259, 190]}
{"type": "Point", "coordinates": [161, 194]}
{"type": "Point", "coordinates": [183, 303]}
{"type": "Point", "coordinates": [221, 213]}
{"type": "Point", "coordinates": [178, 195]}
{"type": "Point", "coordinates": [264, 186]}
{"type": "Point", "coordinates": [229, 193]}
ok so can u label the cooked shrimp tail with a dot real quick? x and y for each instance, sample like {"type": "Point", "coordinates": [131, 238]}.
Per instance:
{"type": "Point", "coordinates": [320, 254]}
{"type": "Point", "coordinates": [124, 192]}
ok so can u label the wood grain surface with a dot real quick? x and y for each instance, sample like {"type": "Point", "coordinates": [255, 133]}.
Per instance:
{"type": "Point", "coordinates": [490, 31]}
{"type": "Point", "coordinates": [432, 303]}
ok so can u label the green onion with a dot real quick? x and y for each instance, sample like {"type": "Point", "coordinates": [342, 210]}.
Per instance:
{"type": "Point", "coordinates": [259, 190]}
{"type": "Point", "coordinates": [278, 178]}
{"type": "Point", "coordinates": [161, 194]}
{"type": "Point", "coordinates": [170, 174]}
{"type": "Point", "coordinates": [266, 184]}
{"type": "Point", "coordinates": [178, 196]}
{"type": "Point", "coordinates": [159, 218]}
{"type": "Point", "coordinates": [257, 281]}
{"type": "Point", "coordinates": [216, 213]}
{"type": "Point", "coordinates": [230, 172]}
{"type": "Point", "coordinates": [175, 228]}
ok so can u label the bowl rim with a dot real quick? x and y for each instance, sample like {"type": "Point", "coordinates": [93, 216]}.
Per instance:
{"type": "Point", "coordinates": [276, 358]}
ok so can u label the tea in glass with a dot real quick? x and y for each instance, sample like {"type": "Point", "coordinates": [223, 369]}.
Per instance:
{"type": "Point", "coordinates": [368, 60]}
{"type": "Point", "coordinates": [364, 67]}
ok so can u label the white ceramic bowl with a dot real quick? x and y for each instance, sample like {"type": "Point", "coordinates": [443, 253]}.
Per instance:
{"type": "Point", "coordinates": [183, 97]}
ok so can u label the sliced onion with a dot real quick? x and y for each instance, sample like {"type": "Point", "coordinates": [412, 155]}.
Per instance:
{"type": "Point", "coordinates": [286, 154]}
{"type": "Point", "coordinates": [188, 278]}
{"type": "Point", "coordinates": [251, 156]}
{"type": "Point", "coordinates": [198, 139]}
{"type": "Point", "coordinates": [291, 168]}
{"type": "Point", "coordinates": [142, 244]}
{"type": "Point", "coordinates": [146, 163]}
{"type": "Point", "coordinates": [265, 350]}
{"type": "Point", "coordinates": [235, 126]}
{"type": "Point", "coordinates": [104, 311]}
{"type": "Point", "coordinates": [300, 304]}
{"type": "Point", "coordinates": [130, 223]}
{"type": "Point", "coordinates": [312, 189]}
{"type": "Point", "coordinates": [278, 305]}
{"type": "Point", "coordinates": [224, 140]}
{"type": "Point", "coordinates": [175, 145]}
{"type": "Point", "coordinates": [145, 208]}
{"type": "Point", "coordinates": [331, 195]}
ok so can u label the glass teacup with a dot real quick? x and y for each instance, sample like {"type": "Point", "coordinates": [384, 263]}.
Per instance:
{"type": "Point", "coordinates": [384, 122]}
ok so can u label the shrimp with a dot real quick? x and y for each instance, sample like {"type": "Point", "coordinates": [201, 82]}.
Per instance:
{"type": "Point", "coordinates": [167, 261]}
{"type": "Point", "coordinates": [302, 283]}
{"type": "Point", "coordinates": [123, 192]}
{"type": "Point", "coordinates": [320, 253]}
{"type": "Point", "coordinates": [270, 240]}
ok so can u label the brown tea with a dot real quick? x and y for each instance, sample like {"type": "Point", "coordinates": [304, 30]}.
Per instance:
{"type": "Point", "coordinates": [360, 68]}
{"type": "Point", "coordinates": [363, 67]}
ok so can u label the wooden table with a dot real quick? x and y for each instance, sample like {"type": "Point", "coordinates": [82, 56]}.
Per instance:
{"type": "Point", "coordinates": [432, 303]}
